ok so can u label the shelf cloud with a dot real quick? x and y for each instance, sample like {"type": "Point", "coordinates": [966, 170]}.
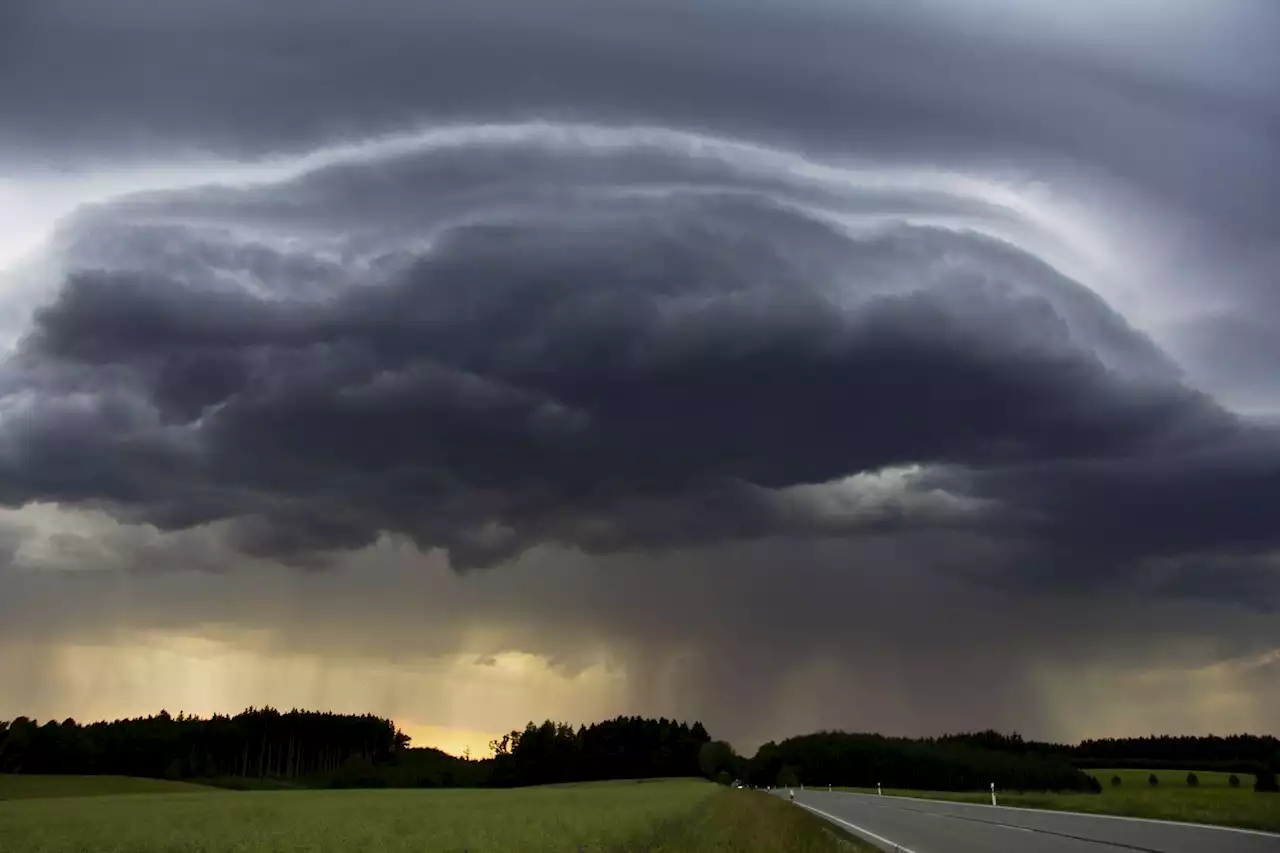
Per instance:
{"type": "Point", "coordinates": [707, 344]}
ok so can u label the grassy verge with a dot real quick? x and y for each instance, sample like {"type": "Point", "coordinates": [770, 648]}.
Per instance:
{"type": "Point", "coordinates": [29, 787]}
{"type": "Point", "coordinates": [747, 822]}
{"type": "Point", "coordinates": [1212, 802]}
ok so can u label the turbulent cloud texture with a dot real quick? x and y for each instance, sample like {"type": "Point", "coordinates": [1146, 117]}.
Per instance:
{"type": "Point", "coordinates": [672, 296]}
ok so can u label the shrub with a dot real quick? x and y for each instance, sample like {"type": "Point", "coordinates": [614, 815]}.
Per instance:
{"type": "Point", "coordinates": [1152, 780]}
{"type": "Point", "coordinates": [723, 778]}
{"type": "Point", "coordinates": [1192, 780]}
{"type": "Point", "coordinates": [1265, 782]}
{"type": "Point", "coordinates": [1234, 781]}
{"type": "Point", "coordinates": [1115, 781]}
{"type": "Point", "coordinates": [358, 772]}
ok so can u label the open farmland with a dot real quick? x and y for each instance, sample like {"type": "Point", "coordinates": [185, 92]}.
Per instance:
{"type": "Point", "coordinates": [30, 786]}
{"type": "Point", "coordinates": [1169, 779]}
{"type": "Point", "coordinates": [655, 817]}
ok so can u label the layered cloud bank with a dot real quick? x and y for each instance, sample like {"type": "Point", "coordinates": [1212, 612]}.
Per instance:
{"type": "Point", "coordinates": [724, 355]}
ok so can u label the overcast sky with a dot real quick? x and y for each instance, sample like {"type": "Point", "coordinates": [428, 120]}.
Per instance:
{"type": "Point", "coordinates": [898, 366]}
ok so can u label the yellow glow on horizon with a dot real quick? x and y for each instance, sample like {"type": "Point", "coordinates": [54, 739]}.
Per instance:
{"type": "Point", "coordinates": [453, 740]}
{"type": "Point", "coordinates": [451, 702]}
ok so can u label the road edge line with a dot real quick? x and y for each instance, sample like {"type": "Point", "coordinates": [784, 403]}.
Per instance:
{"type": "Point", "coordinates": [864, 832]}
{"type": "Point", "coordinates": [1241, 829]}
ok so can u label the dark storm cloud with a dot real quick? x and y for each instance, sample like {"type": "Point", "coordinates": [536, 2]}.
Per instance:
{"type": "Point", "coordinates": [1182, 108]}
{"type": "Point", "coordinates": [243, 78]}
{"type": "Point", "coordinates": [483, 348]}
{"type": "Point", "coordinates": [912, 341]}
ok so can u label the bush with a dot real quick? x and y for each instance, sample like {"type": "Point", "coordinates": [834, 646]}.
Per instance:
{"type": "Point", "coordinates": [1153, 781]}
{"type": "Point", "coordinates": [358, 772]}
{"type": "Point", "coordinates": [1192, 780]}
{"type": "Point", "coordinates": [723, 778]}
{"type": "Point", "coordinates": [1115, 781]}
{"type": "Point", "coordinates": [1234, 781]}
{"type": "Point", "coordinates": [1265, 782]}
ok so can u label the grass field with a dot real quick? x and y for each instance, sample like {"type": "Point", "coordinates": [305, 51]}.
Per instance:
{"type": "Point", "coordinates": [28, 787]}
{"type": "Point", "coordinates": [654, 817]}
{"type": "Point", "coordinates": [1170, 778]}
{"type": "Point", "coordinates": [1212, 801]}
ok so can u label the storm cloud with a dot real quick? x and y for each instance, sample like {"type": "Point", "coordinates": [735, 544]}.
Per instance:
{"type": "Point", "coordinates": [674, 293]}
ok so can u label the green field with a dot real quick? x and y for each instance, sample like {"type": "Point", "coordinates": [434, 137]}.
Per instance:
{"type": "Point", "coordinates": [653, 817]}
{"type": "Point", "coordinates": [27, 787]}
{"type": "Point", "coordinates": [1212, 801]}
{"type": "Point", "coordinates": [1170, 778]}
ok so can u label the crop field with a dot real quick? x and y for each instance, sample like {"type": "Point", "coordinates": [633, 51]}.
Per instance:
{"type": "Point", "coordinates": [1212, 801]}
{"type": "Point", "coordinates": [622, 817]}
{"type": "Point", "coordinates": [13, 787]}
{"type": "Point", "coordinates": [1169, 779]}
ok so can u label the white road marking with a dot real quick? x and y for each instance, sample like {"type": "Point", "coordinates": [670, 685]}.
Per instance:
{"type": "Point", "coordinates": [1077, 814]}
{"type": "Point", "coordinates": [866, 832]}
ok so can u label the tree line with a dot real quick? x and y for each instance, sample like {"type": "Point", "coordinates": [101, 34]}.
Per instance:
{"type": "Point", "coordinates": [953, 763]}
{"type": "Point", "coordinates": [1232, 754]}
{"type": "Point", "coordinates": [264, 747]}
{"type": "Point", "coordinates": [974, 760]}
{"type": "Point", "coordinates": [621, 748]}
{"type": "Point", "coordinates": [256, 743]}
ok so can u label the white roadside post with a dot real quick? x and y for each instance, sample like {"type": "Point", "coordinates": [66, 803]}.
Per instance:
{"type": "Point", "coordinates": [879, 790]}
{"type": "Point", "coordinates": [828, 787]}
{"type": "Point", "coordinates": [993, 793]}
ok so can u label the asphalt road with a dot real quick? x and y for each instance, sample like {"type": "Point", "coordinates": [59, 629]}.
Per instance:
{"type": "Point", "coordinates": [929, 826]}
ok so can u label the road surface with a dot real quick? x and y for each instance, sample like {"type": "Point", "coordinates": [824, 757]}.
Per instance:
{"type": "Point", "coordinates": [930, 826]}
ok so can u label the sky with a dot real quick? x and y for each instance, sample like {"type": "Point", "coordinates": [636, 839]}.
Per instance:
{"type": "Point", "coordinates": [821, 364]}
